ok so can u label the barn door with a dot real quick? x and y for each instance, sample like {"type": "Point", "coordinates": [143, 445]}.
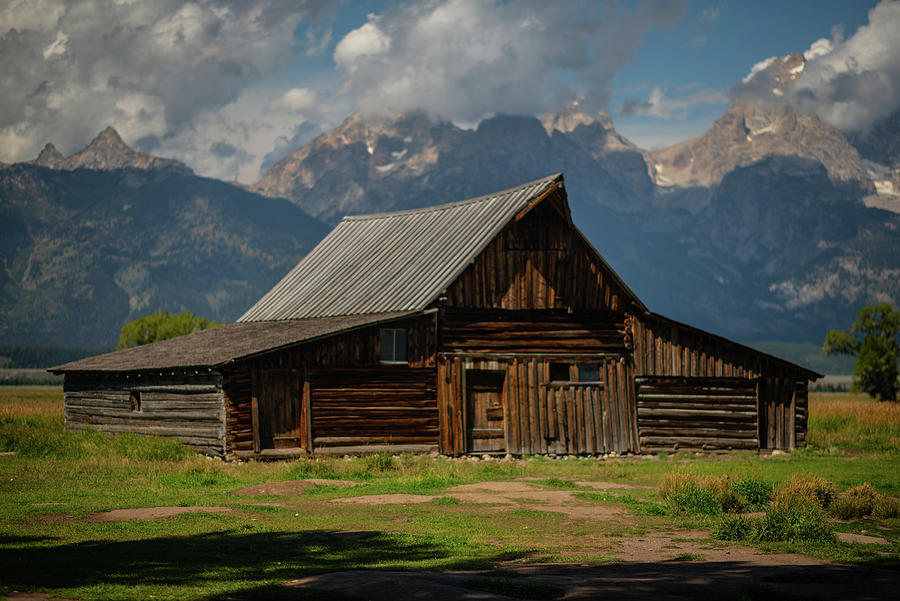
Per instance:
{"type": "Point", "coordinates": [276, 410]}
{"type": "Point", "coordinates": [485, 401]}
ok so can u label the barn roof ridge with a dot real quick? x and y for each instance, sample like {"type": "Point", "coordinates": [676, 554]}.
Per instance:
{"type": "Point", "coordinates": [550, 179]}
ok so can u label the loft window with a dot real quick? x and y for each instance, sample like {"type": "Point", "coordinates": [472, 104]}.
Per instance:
{"type": "Point", "coordinates": [559, 372]}
{"type": "Point", "coordinates": [135, 398]}
{"type": "Point", "coordinates": [588, 372]}
{"type": "Point", "coordinates": [393, 345]}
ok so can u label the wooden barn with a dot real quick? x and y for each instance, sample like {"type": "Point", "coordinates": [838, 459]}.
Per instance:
{"type": "Point", "coordinates": [489, 325]}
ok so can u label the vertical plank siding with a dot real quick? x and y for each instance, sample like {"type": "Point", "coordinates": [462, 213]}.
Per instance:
{"type": "Point", "coordinates": [543, 416]}
{"type": "Point", "coordinates": [238, 410]}
{"type": "Point", "coordinates": [539, 262]}
{"type": "Point", "coordinates": [186, 406]}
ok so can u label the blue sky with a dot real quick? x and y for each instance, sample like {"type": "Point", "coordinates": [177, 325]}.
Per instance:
{"type": "Point", "coordinates": [228, 86]}
{"type": "Point", "coordinates": [713, 46]}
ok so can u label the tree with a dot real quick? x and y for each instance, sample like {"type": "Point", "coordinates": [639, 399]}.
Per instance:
{"type": "Point", "coordinates": [877, 353]}
{"type": "Point", "coordinates": [161, 326]}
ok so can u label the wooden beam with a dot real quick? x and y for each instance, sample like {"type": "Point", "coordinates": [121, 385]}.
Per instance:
{"type": "Point", "coordinates": [254, 409]}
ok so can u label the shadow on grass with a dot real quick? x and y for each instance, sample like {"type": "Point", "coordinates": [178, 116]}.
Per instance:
{"type": "Point", "coordinates": [623, 581]}
{"type": "Point", "coordinates": [367, 565]}
{"type": "Point", "coordinates": [228, 556]}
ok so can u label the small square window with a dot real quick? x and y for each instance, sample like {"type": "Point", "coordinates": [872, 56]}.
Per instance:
{"type": "Point", "coordinates": [135, 398]}
{"type": "Point", "coordinates": [588, 372]}
{"type": "Point", "coordinates": [393, 345]}
{"type": "Point", "coordinates": [559, 372]}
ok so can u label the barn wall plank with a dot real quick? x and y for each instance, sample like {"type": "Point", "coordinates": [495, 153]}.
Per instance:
{"type": "Point", "coordinates": [188, 406]}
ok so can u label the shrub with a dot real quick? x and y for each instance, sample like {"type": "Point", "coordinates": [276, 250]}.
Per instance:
{"type": "Point", "coordinates": [379, 463]}
{"type": "Point", "coordinates": [793, 523]}
{"type": "Point", "coordinates": [756, 493]}
{"type": "Point", "coordinates": [856, 502]}
{"type": "Point", "coordinates": [733, 528]}
{"type": "Point", "coordinates": [700, 495]}
{"type": "Point", "coordinates": [885, 507]}
{"type": "Point", "coordinates": [804, 490]}
{"type": "Point", "coordinates": [691, 498]}
{"type": "Point", "coordinates": [780, 524]}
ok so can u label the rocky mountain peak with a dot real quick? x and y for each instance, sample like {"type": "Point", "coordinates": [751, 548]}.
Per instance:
{"type": "Point", "coordinates": [106, 151]}
{"type": "Point", "coordinates": [49, 157]}
{"type": "Point", "coordinates": [573, 116]}
{"type": "Point", "coordinates": [777, 72]}
{"type": "Point", "coordinates": [746, 134]}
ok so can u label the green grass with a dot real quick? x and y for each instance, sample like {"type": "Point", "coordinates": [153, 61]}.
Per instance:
{"type": "Point", "coordinates": [56, 479]}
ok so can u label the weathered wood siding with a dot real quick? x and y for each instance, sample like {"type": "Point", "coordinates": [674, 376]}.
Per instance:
{"type": "Point", "coordinates": [541, 415]}
{"type": "Point", "coordinates": [532, 332]}
{"type": "Point", "coordinates": [348, 400]}
{"type": "Point", "coordinates": [238, 408]}
{"type": "Point", "coordinates": [392, 405]}
{"type": "Point", "coordinates": [697, 413]}
{"type": "Point", "coordinates": [783, 412]}
{"type": "Point", "coordinates": [538, 262]}
{"type": "Point", "coordinates": [663, 348]}
{"type": "Point", "coordinates": [186, 406]}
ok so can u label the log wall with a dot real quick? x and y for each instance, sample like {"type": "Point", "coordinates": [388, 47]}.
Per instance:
{"type": "Point", "coordinates": [697, 413]}
{"type": "Point", "coordinates": [183, 405]}
{"type": "Point", "coordinates": [530, 332]}
{"type": "Point", "coordinates": [538, 262]}
{"type": "Point", "coordinates": [663, 348]}
{"type": "Point", "coordinates": [374, 406]}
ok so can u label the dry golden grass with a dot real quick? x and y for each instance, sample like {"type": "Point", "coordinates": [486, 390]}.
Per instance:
{"type": "Point", "coordinates": [859, 406]}
{"type": "Point", "coordinates": [31, 401]}
{"type": "Point", "coordinates": [853, 421]}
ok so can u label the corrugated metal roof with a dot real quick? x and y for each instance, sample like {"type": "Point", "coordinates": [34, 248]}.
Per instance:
{"type": "Point", "coordinates": [393, 261]}
{"type": "Point", "coordinates": [217, 346]}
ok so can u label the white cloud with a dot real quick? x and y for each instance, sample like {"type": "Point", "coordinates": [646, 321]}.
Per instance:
{"type": "Point", "coordinates": [662, 107]}
{"type": "Point", "coordinates": [359, 44]}
{"type": "Point", "coordinates": [850, 83]}
{"type": "Point", "coordinates": [58, 47]}
{"type": "Point", "coordinates": [232, 142]}
{"type": "Point", "coordinates": [758, 68]}
{"type": "Point", "coordinates": [820, 47]}
{"type": "Point", "coordinates": [152, 70]}
{"type": "Point", "coordinates": [857, 82]}
{"type": "Point", "coordinates": [295, 100]}
{"type": "Point", "coordinates": [466, 59]}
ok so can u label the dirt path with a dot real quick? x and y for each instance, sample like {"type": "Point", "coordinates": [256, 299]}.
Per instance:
{"type": "Point", "coordinates": [515, 494]}
{"type": "Point", "coordinates": [672, 565]}
{"type": "Point", "coordinates": [726, 573]}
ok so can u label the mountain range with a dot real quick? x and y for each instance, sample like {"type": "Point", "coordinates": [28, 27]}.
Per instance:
{"type": "Point", "coordinates": [771, 225]}
{"type": "Point", "coordinates": [107, 235]}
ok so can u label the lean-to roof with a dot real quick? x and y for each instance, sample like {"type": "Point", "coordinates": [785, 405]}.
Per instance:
{"type": "Point", "coordinates": [221, 345]}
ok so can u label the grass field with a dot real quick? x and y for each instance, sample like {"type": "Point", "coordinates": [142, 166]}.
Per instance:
{"type": "Point", "coordinates": [55, 486]}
